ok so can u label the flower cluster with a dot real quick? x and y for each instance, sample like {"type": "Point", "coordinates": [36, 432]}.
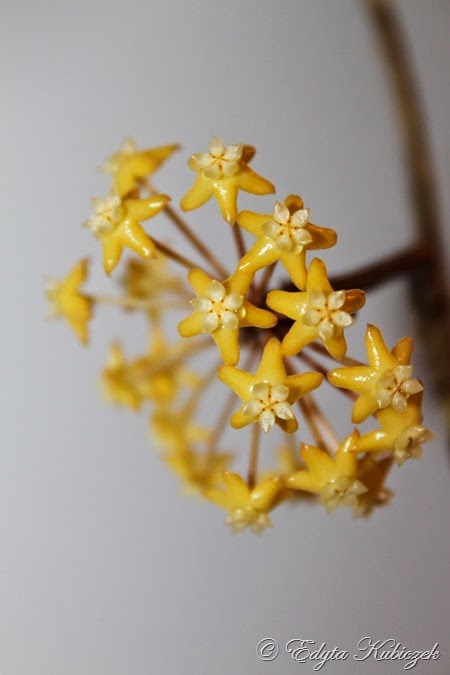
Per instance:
{"type": "Point", "coordinates": [269, 344]}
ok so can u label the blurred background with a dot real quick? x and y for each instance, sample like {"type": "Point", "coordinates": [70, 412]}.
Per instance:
{"type": "Point", "coordinates": [105, 569]}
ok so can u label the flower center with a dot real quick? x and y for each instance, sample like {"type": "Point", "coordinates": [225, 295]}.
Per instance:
{"type": "Point", "coordinates": [342, 491]}
{"type": "Point", "coordinates": [220, 161]}
{"type": "Point", "coordinates": [395, 386]}
{"type": "Point", "coordinates": [107, 215]}
{"type": "Point", "coordinates": [288, 232]}
{"type": "Point", "coordinates": [325, 312]}
{"type": "Point", "coordinates": [219, 309]}
{"type": "Point", "coordinates": [248, 516]}
{"type": "Point", "coordinates": [269, 402]}
{"type": "Point", "coordinates": [409, 443]}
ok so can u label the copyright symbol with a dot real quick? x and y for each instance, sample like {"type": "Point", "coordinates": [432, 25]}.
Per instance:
{"type": "Point", "coordinates": [267, 649]}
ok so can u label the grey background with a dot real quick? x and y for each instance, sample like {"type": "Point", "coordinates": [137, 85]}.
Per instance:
{"type": "Point", "coordinates": [104, 568]}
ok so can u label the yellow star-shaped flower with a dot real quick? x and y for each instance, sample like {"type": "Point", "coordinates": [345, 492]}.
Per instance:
{"type": "Point", "coordinates": [401, 433]}
{"type": "Point", "coordinates": [119, 379]}
{"type": "Point", "coordinates": [247, 507]}
{"type": "Point", "coordinates": [220, 309]}
{"type": "Point", "coordinates": [116, 223]}
{"type": "Point", "coordinates": [285, 235]}
{"type": "Point", "coordinates": [199, 471]}
{"type": "Point", "coordinates": [174, 429]}
{"type": "Point", "coordinates": [385, 381]}
{"type": "Point", "coordinates": [334, 479]}
{"type": "Point", "coordinates": [149, 279]}
{"type": "Point", "coordinates": [67, 301]}
{"type": "Point", "coordinates": [222, 172]}
{"type": "Point", "coordinates": [372, 473]}
{"type": "Point", "coordinates": [157, 376]}
{"type": "Point", "coordinates": [269, 394]}
{"type": "Point", "coordinates": [319, 312]}
{"type": "Point", "coordinates": [129, 165]}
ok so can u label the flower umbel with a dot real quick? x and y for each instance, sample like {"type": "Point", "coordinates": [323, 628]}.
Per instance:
{"type": "Point", "coordinates": [67, 301]}
{"type": "Point", "coordinates": [229, 318]}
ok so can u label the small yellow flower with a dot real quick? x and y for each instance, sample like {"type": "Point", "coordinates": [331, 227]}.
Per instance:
{"type": "Point", "coordinates": [149, 279]}
{"type": "Point", "coordinates": [156, 376]}
{"type": "Point", "coordinates": [333, 479]}
{"type": "Point", "coordinates": [284, 235]}
{"type": "Point", "coordinates": [174, 429]}
{"type": "Point", "coordinates": [372, 473]}
{"type": "Point", "coordinates": [269, 394]}
{"type": "Point", "coordinates": [247, 507]}
{"type": "Point", "coordinates": [402, 432]}
{"type": "Point", "coordinates": [119, 380]}
{"type": "Point", "coordinates": [199, 471]}
{"type": "Point", "coordinates": [116, 223]}
{"type": "Point", "coordinates": [222, 172]}
{"type": "Point", "coordinates": [387, 380]}
{"type": "Point", "coordinates": [67, 301]}
{"type": "Point", "coordinates": [220, 309]}
{"type": "Point", "coordinates": [129, 164]}
{"type": "Point", "coordinates": [319, 312]}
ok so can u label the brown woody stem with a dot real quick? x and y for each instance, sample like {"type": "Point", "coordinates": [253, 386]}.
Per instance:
{"type": "Point", "coordinates": [429, 286]}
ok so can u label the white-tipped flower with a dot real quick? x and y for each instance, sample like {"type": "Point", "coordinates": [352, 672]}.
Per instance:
{"type": "Point", "coordinates": [408, 444]}
{"type": "Point", "coordinates": [324, 311]}
{"type": "Point", "coordinates": [342, 491]}
{"type": "Point", "coordinates": [221, 161]}
{"type": "Point", "coordinates": [288, 232]}
{"type": "Point", "coordinates": [219, 308]}
{"type": "Point", "coordinates": [269, 402]}
{"type": "Point", "coordinates": [108, 213]}
{"type": "Point", "coordinates": [395, 386]}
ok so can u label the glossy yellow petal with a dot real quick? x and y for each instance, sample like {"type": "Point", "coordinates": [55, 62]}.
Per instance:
{"type": "Point", "coordinates": [225, 192]}
{"type": "Point", "coordinates": [239, 420]}
{"type": "Point", "coordinates": [254, 316]}
{"type": "Point", "coordinates": [317, 277]}
{"type": "Point", "coordinates": [303, 480]}
{"type": "Point", "coordinates": [319, 463]}
{"type": "Point", "coordinates": [297, 337]}
{"type": "Point", "coordinates": [238, 490]}
{"type": "Point", "coordinates": [336, 346]}
{"type": "Point", "coordinates": [271, 367]}
{"type": "Point", "coordinates": [402, 351]}
{"type": "Point", "coordinates": [250, 181]}
{"type": "Point", "coordinates": [262, 254]}
{"type": "Point", "coordinates": [199, 193]}
{"type": "Point", "coordinates": [191, 325]}
{"type": "Point", "coordinates": [295, 265]}
{"type": "Point", "coordinates": [141, 209]}
{"type": "Point", "coordinates": [131, 234]}
{"type": "Point", "coordinates": [302, 384]}
{"type": "Point", "coordinates": [227, 341]}
{"type": "Point", "coordinates": [199, 281]}
{"type": "Point", "coordinates": [364, 406]}
{"type": "Point", "coordinates": [263, 495]}
{"type": "Point", "coordinates": [253, 222]}
{"type": "Point", "coordinates": [112, 251]}
{"type": "Point", "coordinates": [289, 304]}
{"type": "Point", "coordinates": [240, 381]}
{"type": "Point", "coordinates": [354, 377]}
